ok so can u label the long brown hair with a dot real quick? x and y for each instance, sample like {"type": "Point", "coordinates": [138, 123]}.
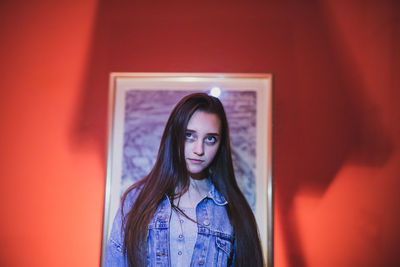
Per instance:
{"type": "Point", "coordinates": [169, 172]}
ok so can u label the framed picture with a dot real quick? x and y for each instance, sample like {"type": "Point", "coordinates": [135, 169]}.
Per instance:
{"type": "Point", "coordinates": [140, 104]}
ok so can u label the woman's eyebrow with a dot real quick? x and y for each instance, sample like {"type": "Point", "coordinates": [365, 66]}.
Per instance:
{"type": "Point", "coordinates": [193, 131]}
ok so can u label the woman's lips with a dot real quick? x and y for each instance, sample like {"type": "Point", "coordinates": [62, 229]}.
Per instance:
{"type": "Point", "coordinates": [196, 161]}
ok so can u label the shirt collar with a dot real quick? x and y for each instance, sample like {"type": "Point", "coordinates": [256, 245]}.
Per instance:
{"type": "Point", "coordinates": [213, 194]}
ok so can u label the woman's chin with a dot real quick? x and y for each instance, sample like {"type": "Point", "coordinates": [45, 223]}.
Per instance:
{"type": "Point", "coordinates": [197, 175]}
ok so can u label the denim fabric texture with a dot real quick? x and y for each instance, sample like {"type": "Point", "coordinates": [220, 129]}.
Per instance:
{"type": "Point", "coordinates": [215, 237]}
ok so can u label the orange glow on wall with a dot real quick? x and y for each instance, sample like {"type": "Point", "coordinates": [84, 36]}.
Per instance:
{"type": "Point", "coordinates": [336, 116]}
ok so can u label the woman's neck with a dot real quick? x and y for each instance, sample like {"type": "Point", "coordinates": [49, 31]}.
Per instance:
{"type": "Point", "coordinates": [197, 190]}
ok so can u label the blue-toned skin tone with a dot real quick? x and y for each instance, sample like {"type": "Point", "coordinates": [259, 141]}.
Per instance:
{"type": "Point", "coordinates": [215, 238]}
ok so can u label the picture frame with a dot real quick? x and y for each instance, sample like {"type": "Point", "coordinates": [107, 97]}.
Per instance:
{"type": "Point", "coordinates": [139, 106]}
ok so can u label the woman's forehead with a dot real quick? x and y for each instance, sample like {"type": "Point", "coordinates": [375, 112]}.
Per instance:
{"type": "Point", "coordinates": [204, 122]}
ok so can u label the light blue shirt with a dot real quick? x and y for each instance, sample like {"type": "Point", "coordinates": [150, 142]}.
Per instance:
{"type": "Point", "coordinates": [182, 237]}
{"type": "Point", "coordinates": [214, 242]}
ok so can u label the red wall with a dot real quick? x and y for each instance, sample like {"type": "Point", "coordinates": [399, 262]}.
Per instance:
{"type": "Point", "coordinates": [336, 117]}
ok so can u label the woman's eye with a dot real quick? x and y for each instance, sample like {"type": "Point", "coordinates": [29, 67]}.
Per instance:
{"type": "Point", "coordinates": [189, 136]}
{"type": "Point", "coordinates": [211, 139]}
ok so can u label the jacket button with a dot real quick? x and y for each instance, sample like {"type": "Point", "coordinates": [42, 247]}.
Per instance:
{"type": "Point", "coordinates": [201, 262]}
{"type": "Point", "coordinates": [206, 222]}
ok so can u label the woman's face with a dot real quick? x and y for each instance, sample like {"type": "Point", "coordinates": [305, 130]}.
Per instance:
{"type": "Point", "coordinates": [203, 135]}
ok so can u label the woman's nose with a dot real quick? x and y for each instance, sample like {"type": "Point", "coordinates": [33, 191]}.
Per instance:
{"type": "Point", "coordinates": [198, 148]}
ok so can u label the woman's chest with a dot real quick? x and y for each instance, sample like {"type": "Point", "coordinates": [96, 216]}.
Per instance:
{"type": "Point", "coordinates": [176, 241]}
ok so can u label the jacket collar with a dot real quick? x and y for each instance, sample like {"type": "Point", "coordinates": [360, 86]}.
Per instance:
{"type": "Point", "coordinates": [216, 196]}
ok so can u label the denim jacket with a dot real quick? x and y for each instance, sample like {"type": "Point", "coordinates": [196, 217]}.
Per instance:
{"type": "Point", "coordinates": [215, 237]}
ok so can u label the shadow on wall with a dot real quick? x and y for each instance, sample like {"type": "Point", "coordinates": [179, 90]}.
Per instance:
{"type": "Point", "coordinates": [323, 121]}
{"type": "Point", "coordinates": [319, 104]}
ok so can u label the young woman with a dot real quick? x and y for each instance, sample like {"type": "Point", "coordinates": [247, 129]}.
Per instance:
{"type": "Point", "coordinates": [189, 210]}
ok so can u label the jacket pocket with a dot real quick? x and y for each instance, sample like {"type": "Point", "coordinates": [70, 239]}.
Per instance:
{"type": "Point", "coordinates": [224, 251]}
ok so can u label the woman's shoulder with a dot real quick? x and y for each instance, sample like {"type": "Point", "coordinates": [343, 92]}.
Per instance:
{"type": "Point", "coordinates": [129, 197]}
{"type": "Point", "coordinates": [127, 201]}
